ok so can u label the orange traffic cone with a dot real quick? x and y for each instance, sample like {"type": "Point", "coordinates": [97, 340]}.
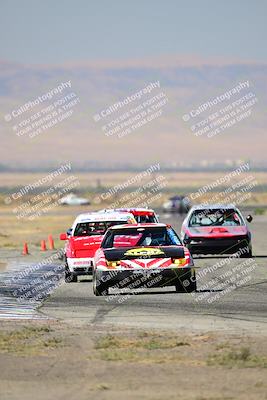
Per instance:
{"type": "Point", "coordinates": [25, 250]}
{"type": "Point", "coordinates": [43, 245]}
{"type": "Point", "coordinates": [51, 242]}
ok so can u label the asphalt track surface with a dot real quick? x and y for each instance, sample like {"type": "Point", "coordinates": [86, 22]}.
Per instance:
{"type": "Point", "coordinates": [24, 287]}
{"type": "Point", "coordinates": [231, 296]}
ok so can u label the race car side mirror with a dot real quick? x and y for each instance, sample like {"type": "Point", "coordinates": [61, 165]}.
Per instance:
{"type": "Point", "coordinates": [249, 218]}
{"type": "Point", "coordinates": [63, 236]}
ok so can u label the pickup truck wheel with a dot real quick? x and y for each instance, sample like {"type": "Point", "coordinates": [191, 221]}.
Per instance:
{"type": "Point", "coordinates": [70, 277]}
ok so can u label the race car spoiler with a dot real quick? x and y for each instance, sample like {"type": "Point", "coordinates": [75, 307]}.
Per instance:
{"type": "Point", "coordinates": [130, 253]}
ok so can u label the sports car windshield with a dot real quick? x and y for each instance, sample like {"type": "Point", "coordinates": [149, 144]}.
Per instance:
{"type": "Point", "coordinates": [131, 237]}
{"type": "Point", "coordinates": [94, 228]}
{"type": "Point", "coordinates": [218, 217]}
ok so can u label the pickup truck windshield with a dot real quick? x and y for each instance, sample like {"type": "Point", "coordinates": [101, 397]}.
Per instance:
{"type": "Point", "coordinates": [94, 228]}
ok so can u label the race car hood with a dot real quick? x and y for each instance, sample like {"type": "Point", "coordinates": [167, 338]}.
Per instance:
{"type": "Point", "coordinates": [217, 231]}
{"type": "Point", "coordinates": [131, 253]}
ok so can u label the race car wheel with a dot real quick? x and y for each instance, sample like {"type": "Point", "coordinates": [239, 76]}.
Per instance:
{"type": "Point", "coordinates": [247, 254]}
{"type": "Point", "coordinates": [70, 277]}
{"type": "Point", "coordinates": [99, 288]}
{"type": "Point", "coordinates": [187, 284]}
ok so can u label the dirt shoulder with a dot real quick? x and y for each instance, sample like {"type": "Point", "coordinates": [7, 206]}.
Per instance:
{"type": "Point", "coordinates": [45, 360]}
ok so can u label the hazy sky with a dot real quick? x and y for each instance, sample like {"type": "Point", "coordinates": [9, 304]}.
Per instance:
{"type": "Point", "coordinates": [50, 31]}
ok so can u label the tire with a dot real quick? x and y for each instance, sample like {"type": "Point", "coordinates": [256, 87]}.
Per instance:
{"type": "Point", "coordinates": [70, 277]}
{"type": "Point", "coordinates": [248, 254]}
{"type": "Point", "coordinates": [187, 285]}
{"type": "Point", "coordinates": [99, 288]}
{"type": "Point", "coordinates": [62, 257]}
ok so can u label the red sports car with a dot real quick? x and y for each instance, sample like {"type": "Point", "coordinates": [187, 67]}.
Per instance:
{"type": "Point", "coordinates": [142, 256]}
{"type": "Point", "coordinates": [217, 229]}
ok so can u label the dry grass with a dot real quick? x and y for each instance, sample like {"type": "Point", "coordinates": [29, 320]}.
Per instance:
{"type": "Point", "coordinates": [16, 231]}
{"type": "Point", "coordinates": [107, 179]}
{"type": "Point", "coordinates": [28, 341]}
{"type": "Point", "coordinates": [151, 348]}
{"type": "Point", "coordinates": [237, 358]}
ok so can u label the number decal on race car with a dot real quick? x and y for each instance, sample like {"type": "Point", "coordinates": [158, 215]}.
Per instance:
{"type": "Point", "coordinates": [144, 251]}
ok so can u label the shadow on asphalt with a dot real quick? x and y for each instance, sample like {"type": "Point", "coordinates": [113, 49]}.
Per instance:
{"type": "Point", "coordinates": [226, 256]}
{"type": "Point", "coordinates": [133, 293]}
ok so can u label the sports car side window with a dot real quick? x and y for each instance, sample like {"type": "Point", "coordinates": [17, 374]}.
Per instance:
{"type": "Point", "coordinates": [108, 241]}
{"type": "Point", "coordinates": [173, 237]}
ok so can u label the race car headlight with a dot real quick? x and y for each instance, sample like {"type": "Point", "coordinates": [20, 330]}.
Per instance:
{"type": "Point", "coordinates": [113, 264]}
{"type": "Point", "coordinates": [179, 262]}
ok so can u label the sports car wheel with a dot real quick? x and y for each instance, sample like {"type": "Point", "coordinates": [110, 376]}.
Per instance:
{"type": "Point", "coordinates": [247, 254]}
{"type": "Point", "coordinates": [99, 288]}
{"type": "Point", "coordinates": [187, 284]}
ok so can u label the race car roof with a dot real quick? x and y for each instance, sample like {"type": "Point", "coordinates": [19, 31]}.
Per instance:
{"type": "Point", "coordinates": [135, 211]}
{"type": "Point", "coordinates": [97, 217]}
{"type": "Point", "coordinates": [213, 206]}
{"type": "Point", "coordinates": [127, 226]}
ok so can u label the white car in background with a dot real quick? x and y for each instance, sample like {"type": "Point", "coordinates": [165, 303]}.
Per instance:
{"type": "Point", "coordinates": [73, 200]}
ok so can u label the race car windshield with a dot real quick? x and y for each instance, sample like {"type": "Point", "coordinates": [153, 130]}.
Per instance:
{"type": "Point", "coordinates": [145, 219]}
{"type": "Point", "coordinates": [132, 237]}
{"type": "Point", "coordinates": [218, 217]}
{"type": "Point", "coordinates": [94, 228]}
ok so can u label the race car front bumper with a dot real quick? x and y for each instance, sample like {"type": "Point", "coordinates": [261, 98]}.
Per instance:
{"type": "Point", "coordinates": [145, 278]}
{"type": "Point", "coordinates": [80, 266]}
{"type": "Point", "coordinates": [203, 245]}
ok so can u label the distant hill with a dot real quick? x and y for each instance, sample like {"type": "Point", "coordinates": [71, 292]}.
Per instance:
{"type": "Point", "coordinates": [168, 139]}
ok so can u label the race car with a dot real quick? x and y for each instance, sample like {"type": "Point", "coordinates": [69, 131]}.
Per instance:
{"type": "Point", "coordinates": [216, 229]}
{"type": "Point", "coordinates": [141, 215]}
{"type": "Point", "coordinates": [142, 256]}
{"type": "Point", "coordinates": [84, 238]}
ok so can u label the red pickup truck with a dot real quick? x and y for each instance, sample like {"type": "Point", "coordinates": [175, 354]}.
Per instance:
{"type": "Point", "coordinates": [85, 237]}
